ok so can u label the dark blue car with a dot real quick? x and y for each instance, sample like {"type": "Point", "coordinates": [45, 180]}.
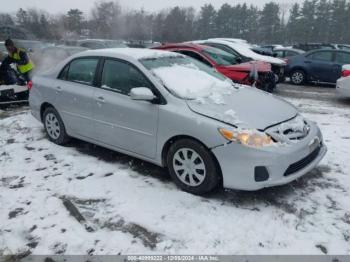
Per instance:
{"type": "Point", "coordinates": [317, 66]}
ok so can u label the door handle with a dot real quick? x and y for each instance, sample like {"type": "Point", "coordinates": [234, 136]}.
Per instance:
{"type": "Point", "coordinates": [100, 100]}
{"type": "Point", "coordinates": [58, 89]}
{"type": "Point", "coordinates": [308, 62]}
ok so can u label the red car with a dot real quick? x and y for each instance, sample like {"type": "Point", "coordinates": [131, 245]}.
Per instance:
{"type": "Point", "coordinates": [227, 64]}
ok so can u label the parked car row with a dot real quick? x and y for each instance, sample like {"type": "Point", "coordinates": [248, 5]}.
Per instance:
{"type": "Point", "coordinates": [246, 54]}
{"type": "Point", "coordinates": [235, 58]}
{"type": "Point", "coordinates": [228, 64]}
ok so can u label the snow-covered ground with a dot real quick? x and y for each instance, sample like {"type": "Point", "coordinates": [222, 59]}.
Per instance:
{"type": "Point", "coordinates": [132, 207]}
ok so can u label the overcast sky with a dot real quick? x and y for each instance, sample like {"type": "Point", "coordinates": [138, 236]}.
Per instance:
{"type": "Point", "coordinates": [61, 6]}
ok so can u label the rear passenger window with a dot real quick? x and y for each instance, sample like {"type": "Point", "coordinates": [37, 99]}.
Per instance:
{"type": "Point", "coordinates": [343, 58]}
{"type": "Point", "coordinates": [82, 70]}
{"type": "Point", "coordinates": [322, 56]}
{"type": "Point", "coordinates": [122, 77]}
{"type": "Point", "coordinates": [290, 53]}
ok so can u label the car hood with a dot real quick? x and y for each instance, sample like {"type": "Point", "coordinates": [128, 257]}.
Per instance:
{"type": "Point", "coordinates": [249, 66]}
{"type": "Point", "coordinates": [246, 108]}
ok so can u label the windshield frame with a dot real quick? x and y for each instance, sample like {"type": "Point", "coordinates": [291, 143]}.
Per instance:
{"type": "Point", "coordinates": [212, 51]}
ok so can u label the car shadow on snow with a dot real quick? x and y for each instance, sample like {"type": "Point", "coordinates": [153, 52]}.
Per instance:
{"type": "Point", "coordinates": [344, 101]}
{"type": "Point", "coordinates": [282, 197]}
{"type": "Point", "coordinates": [110, 156]}
{"type": "Point", "coordinates": [286, 197]}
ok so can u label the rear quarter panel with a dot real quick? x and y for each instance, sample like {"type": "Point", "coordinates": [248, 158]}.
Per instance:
{"type": "Point", "coordinates": [41, 92]}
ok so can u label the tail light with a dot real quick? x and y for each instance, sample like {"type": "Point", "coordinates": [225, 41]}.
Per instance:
{"type": "Point", "coordinates": [345, 73]}
{"type": "Point", "coordinates": [30, 85]}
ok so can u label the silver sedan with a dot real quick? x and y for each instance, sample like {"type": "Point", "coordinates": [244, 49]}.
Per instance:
{"type": "Point", "coordinates": [178, 113]}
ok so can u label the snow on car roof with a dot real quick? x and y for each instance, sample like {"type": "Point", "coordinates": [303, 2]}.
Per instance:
{"type": "Point", "coordinates": [246, 51]}
{"type": "Point", "coordinates": [135, 53]}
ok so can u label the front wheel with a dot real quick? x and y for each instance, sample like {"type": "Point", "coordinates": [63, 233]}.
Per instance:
{"type": "Point", "coordinates": [192, 167]}
{"type": "Point", "coordinates": [298, 77]}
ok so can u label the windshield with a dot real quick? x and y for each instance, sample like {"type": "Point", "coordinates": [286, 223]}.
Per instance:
{"type": "Point", "coordinates": [188, 78]}
{"type": "Point", "coordinates": [115, 44]}
{"type": "Point", "coordinates": [220, 57]}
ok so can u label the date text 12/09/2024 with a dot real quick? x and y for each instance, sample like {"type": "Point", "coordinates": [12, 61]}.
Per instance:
{"type": "Point", "coordinates": [173, 258]}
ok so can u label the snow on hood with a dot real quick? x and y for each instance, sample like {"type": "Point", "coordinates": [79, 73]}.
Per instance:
{"type": "Point", "coordinates": [221, 99]}
{"type": "Point", "coordinates": [247, 108]}
{"type": "Point", "coordinates": [188, 82]}
{"type": "Point", "coordinates": [246, 51]}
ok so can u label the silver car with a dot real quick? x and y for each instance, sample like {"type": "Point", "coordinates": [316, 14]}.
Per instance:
{"type": "Point", "coordinates": [178, 113]}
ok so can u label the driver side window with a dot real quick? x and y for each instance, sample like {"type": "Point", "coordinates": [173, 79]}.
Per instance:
{"type": "Point", "coordinates": [195, 56]}
{"type": "Point", "coordinates": [122, 77]}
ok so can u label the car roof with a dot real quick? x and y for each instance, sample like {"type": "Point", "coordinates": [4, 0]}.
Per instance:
{"type": "Point", "coordinates": [289, 49]}
{"type": "Point", "coordinates": [198, 47]}
{"type": "Point", "coordinates": [134, 53]}
{"type": "Point", "coordinates": [329, 50]}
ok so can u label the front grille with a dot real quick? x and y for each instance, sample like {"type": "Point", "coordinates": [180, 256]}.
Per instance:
{"type": "Point", "coordinates": [293, 130]}
{"type": "Point", "coordinates": [293, 168]}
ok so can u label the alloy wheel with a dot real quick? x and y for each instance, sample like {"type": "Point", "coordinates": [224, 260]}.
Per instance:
{"type": "Point", "coordinates": [297, 78]}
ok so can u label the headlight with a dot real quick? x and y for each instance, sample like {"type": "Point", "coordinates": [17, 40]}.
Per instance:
{"type": "Point", "coordinates": [252, 138]}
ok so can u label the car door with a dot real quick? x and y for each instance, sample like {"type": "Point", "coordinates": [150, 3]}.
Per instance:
{"type": "Point", "coordinates": [320, 66]}
{"type": "Point", "coordinates": [74, 95]}
{"type": "Point", "coordinates": [120, 121]}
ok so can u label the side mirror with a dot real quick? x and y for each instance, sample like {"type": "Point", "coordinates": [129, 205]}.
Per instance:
{"type": "Point", "coordinates": [239, 60]}
{"type": "Point", "coordinates": [142, 94]}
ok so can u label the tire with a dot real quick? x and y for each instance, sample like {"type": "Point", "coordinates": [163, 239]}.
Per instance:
{"type": "Point", "coordinates": [54, 126]}
{"type": "Point", "coordinates": [199, 174]}
{"type": "Point", "coordinates": [281, 80]}
{"type": "Point", "coordinates": [298, 77]}
{"type": "Point", "coordinates": [267, 82]}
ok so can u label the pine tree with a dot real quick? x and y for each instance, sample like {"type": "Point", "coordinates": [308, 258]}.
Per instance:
{"type": "Point", "coordinates": [270, 23]}
{"type": "Point", "coordinates": [206, 26]}
{"type": "Point", "coordinates": [294, 25]}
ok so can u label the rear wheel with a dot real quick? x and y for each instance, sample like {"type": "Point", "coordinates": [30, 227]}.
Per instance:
{"type": "Point", "coordinates": [192, 167]}
{"type": "Point", "coordinates": [298, 77]}
{"type": "Point", "coordinates": [54, 126]}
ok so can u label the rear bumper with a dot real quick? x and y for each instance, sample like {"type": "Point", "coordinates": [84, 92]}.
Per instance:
{"type": "Point", "coordinates": [238, 163]}
{"type": "Point", "coordinates": [343, 86]}
{"type": "Point", "coordinates": [11, 92]}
